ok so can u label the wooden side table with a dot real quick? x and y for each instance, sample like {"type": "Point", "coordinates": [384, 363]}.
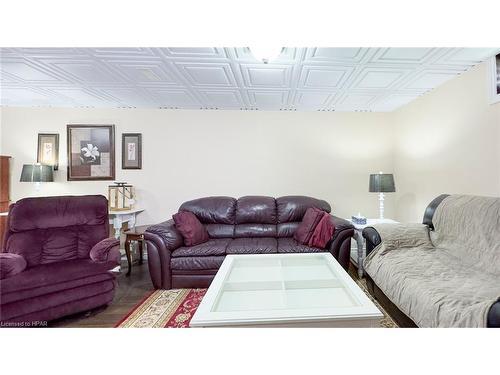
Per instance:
{"type": "Point", "coordinates": [134, 234]}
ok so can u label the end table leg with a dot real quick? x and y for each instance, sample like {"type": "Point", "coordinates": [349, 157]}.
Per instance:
{"type": "Point", "coordinates": [359, 241]}
{"type": "Point", "coordinates": [140, 251]}
{"type": "Point", "coordinates": [129, 258]}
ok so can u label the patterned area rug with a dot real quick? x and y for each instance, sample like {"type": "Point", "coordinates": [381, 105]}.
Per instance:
{"type": "Point", "coordinates": [174, 309]}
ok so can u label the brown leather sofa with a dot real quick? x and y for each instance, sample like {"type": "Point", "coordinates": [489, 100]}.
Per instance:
{"type": "Point", "coordinates": [248, 225]}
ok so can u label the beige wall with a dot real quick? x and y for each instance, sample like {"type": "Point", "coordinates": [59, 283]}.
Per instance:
{"type": "Point", "coordinates": [447, 141]}
{"type": "Point", "coordinates": [188, 154]}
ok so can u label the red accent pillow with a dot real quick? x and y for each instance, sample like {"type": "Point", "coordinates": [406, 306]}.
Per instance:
{"type": "Point", "coordinates": [323, 232]}
{"type": "Point", "coordinates": [306, 227]}
{"type": "Point", "coordinates": [190, 227]}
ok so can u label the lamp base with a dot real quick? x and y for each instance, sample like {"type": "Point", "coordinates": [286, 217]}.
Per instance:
{"type": "Point", "coordinates": [381, 205]}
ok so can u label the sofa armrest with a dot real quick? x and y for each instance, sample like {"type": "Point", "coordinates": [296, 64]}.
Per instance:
{"type": "Point", "coordinates": [395, 236]}
{"type": "Point", "coordinates": [167, 233]}
{"type": "Point", "coordinates": [11, 265]}
{"type": "Point", "coordinates": [161, 239]}
{"type": "Point", "coordinates": [494, 315]}
{"type": "Point", "coordinates": [340, 244]}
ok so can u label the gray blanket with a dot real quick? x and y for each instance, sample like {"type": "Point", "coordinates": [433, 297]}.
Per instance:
{"type": "Point", "coordinates": [448, 277]}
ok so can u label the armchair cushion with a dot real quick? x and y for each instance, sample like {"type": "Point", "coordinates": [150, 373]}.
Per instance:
{"type": "Point", "coordinates": [107, 250]}
{"type": "Point", "coordinates": [193, 232]}
{"type": "Point", "coordinates": [11, 264]}
{"type": "Point", "coordinates": [306, 228]}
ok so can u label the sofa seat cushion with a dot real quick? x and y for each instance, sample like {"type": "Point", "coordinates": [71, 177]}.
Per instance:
{"type": "Point", "coordinates": [290, 245]}
{"type": "Point", "coordinates": [53, 277]}
{"type": "Point", "coordinates": [249, 245]}
{"type": "Point", "coordinates": [433, 286]}
{"type": "Point", "coordinates": [213, 247]}
{"type": "Point", "coordinates": [196, 263]}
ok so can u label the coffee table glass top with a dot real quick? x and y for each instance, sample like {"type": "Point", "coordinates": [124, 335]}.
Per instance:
{"type": "Point", "coordinates": [263, 288]}
{"type": "Point", "coordinates": [282, 283]}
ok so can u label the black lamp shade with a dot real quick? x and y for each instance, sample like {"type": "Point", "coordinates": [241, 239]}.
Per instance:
{"type": "Point", "coordinates": [37, 173]}
{"type": "Point", "coordinates": [382, 183]}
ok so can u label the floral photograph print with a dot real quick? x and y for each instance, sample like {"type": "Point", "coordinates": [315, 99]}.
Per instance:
{"type": "Point", "coordinates": [131, 151]}
{"type": "Point", "coordinates": [91, 152]}
{"type": "Point", "coordinates": [48, 150]}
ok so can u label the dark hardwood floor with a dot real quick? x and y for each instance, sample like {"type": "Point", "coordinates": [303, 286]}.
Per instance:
{"type": "Point", "coordinates": [130, 291]}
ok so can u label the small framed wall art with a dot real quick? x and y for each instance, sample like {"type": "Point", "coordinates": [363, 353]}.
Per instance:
{"type": "Point", "coordinates": [131, 151]}
{"type": "Point", "coordinates": [91, 152]}
{"type": "Point", "coordinates": [494, 84]}
{"type": "Point", "coordinates": [48, 150]}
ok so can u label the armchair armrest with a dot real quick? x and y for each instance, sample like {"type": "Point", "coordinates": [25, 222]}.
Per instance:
{"type": "Point", "coordinates": [11, 264]}
{"type": "Point", "coordinates": [394, 236]}
{"type": "Point", "coordinates": [106, 251]}
{"type": "Point", "coordinates": [161, 239]}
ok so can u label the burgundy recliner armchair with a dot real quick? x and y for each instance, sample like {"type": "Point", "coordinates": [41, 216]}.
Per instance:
{"type": "Point", "coordinates": [53, 238]}
{"type": "Point", "coordinates": [248, 225]}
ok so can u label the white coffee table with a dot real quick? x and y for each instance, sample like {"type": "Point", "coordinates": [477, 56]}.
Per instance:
{"type": "Point", "coordinates": [285, 290]}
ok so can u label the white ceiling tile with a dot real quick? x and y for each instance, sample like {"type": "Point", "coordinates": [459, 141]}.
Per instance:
{"type": "Point", "coordinates": [403, 55]}
{"type": "Point", "coordinates": [376, 78]}
{"type": "Point", "coordinates": [26, 72]}
{"type": "Point", "coordinates": [268, 99]}
{"type": "Point", "coordinates": [223, 99]}
{"type": "Point", "coordinates": [86, 71]}
{"type": "Point", "coordinates": [208, 74]}
{"type": "Point", "coordinates": [266, 75]}
{"type": "Point", "coordinates": [174, 98]}
{"type": "Point", "coordinates": [312, 99]}
{"type": "Point", "coordinates": [336, 55]}
{"type": "Point", "coordinates": [428, 80]}
{"type": "Point", "coordinates": [314, 78]}
{"type": "Point", "coordinates": [324, 77]}
{"type": "Point", "coordinates": [349, 101]}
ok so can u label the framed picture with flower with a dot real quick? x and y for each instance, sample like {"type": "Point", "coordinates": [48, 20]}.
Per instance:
{"type": "Point", "coordinates": [91, 152]}
{"type": "Point", "coordinates": [48, 150]}
{"type": "Point", "coordinates": [131, 151]}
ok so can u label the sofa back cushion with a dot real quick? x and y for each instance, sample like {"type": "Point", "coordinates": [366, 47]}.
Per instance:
{"type": "Point", "coordinates": [212, 210]}
{"type": "Point", "coordinates": [255, 217]}
{"type": "Point", "coordinates": [291, 209]}
{"type": "Point", "coordinates": [52, 229]}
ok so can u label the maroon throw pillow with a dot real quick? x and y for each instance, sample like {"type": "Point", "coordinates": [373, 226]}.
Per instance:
{"type": "Point", "coordinates": [323, 232]}
{"type": "Point", "coordinates": [306, 227]}
{"type": "Point", "coordinates": [190, 227]}
{"type": "Point", "coordinates": [11, 264]}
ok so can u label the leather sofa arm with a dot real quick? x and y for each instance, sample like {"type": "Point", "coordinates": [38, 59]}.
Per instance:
{"type": "Point", "coordinates": [167, 233]}
{"type": "Point", "coordinates": [372, 238]}
{"type": "Point", "coordinates": [161, 239]}
{"type": "Point", "coordinates": [106, 251]}
{"type": "Point", "coordinates": [494, 315]}
{"type": "Point", "coordinates": [340, 244]}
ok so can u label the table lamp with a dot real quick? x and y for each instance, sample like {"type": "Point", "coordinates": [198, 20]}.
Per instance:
{"type": "Point", "coordinates": [382, 183]}
{"type": "Point", "coordinates": [37, 173]}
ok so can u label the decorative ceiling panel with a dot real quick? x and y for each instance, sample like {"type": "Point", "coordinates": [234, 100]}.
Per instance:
{"type": "Point", "coordinates": [304, 79]}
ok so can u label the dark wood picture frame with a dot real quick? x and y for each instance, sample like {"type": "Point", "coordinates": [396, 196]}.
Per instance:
{"type": "Point", "coordinates": [73, 156]}
{"type": "Point", "coordinates": [40, 152]}
{"type": "Point", "coordinates": [138, 142]}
